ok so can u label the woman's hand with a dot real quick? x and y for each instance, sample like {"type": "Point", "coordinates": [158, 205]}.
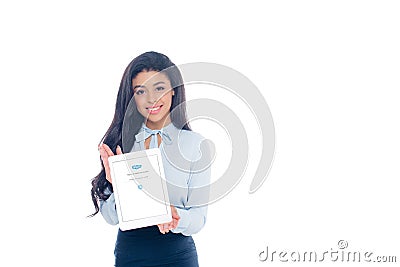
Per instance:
{"type": "Point", "coordinates": [166, 227]}
{"type": "Point", "coordinates": [106, 152]}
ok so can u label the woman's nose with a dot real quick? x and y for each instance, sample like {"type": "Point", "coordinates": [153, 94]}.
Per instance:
{"type": "Point", "coordinates": [152, 97]}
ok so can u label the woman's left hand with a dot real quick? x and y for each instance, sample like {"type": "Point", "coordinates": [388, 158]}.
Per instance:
{"type": "Point", "coordinates": [166, 227]}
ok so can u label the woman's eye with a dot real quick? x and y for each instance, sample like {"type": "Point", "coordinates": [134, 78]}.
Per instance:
{"type": "Point", "coordinates": [159, 88]}
{"type": "Point", "coordinates": [139, 92]}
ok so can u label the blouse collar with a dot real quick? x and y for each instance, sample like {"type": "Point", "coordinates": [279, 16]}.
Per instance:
{"type": "Point", "coordinates": [167, 133]}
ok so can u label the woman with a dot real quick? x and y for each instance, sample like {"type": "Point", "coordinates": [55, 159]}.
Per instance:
{"type": "Point", "coordinates": [151, 99]}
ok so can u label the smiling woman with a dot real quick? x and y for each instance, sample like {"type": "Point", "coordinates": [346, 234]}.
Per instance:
{"type": "Point", "coordinates": [152, 87]}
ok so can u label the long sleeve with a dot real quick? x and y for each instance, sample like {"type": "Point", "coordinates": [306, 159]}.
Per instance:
{"type": "Point", "coordinates": [108, 210]}
{"type": "Point", "coordinates": [194, 211]}
{"type": "Point", "coordinates": [192, 220]}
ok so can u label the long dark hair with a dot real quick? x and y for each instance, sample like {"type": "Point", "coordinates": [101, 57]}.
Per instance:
{"type": "Point", "coordinates": [149, 61]}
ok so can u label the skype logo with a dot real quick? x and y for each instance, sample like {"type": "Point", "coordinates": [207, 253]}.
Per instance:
{"type": "Point", "coordinates": [136, 166]}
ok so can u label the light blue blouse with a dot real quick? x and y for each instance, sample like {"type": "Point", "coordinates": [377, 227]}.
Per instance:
{"type": "Point", "coordinates": [184, 180]}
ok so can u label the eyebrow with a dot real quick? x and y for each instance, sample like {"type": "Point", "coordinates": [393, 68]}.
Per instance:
{"type": "Point", "coordinates": [142, 86]}
{"type": "Point", "coordinates": [157, 83]}
{"type": "Point", "coordinates": [139, 86]}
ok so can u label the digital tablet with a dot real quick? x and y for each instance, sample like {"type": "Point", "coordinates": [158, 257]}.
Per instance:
{"type": "Point", "coordinates": [140, 189]}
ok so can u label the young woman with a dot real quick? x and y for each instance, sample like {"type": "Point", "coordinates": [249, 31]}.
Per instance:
{"type": "Point", "coordinates": [157, 118]}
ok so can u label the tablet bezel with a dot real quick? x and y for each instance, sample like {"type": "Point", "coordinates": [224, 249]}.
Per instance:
{"type": "Point", "coordinates": [140, 222]}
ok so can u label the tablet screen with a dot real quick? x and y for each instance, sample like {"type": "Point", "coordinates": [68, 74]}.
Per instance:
{"type": "Point", "coordinates": [132, 174]}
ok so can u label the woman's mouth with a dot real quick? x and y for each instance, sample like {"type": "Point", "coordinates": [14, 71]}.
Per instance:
{"type": "Point", "coordinates": [154, 110]}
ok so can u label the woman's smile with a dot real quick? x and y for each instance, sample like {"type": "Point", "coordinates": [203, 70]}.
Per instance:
{"type": "Point", "coordinates": [155, 109]}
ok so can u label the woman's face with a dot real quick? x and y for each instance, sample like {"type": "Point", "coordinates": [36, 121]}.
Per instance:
{"type": "Point", "coordinates": [153, 96]}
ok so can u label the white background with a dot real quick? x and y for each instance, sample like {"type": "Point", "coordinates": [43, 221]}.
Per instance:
{"type": "Point", "coordinates": [329, 71]}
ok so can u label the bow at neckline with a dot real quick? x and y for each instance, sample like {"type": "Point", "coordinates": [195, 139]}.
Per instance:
{"type": "Point", "coordinates": [147, 132]}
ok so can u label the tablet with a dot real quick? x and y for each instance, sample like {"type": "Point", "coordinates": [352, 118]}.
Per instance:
{"type": "Point", "coordinates": [134, 175]}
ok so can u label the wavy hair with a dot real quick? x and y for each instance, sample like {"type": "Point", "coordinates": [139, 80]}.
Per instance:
{"type": "Point", "coordinates": [149, 61]}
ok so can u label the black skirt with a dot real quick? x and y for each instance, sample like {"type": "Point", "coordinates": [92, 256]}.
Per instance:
{"type": "Point", "coordinates": [148, 247]}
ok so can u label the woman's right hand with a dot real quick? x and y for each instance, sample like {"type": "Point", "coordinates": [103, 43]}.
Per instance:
{"type": "Point", "coordinates": [106, 152]}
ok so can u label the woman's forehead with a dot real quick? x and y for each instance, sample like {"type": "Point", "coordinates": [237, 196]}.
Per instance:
{"type": "Point", "coordinates": [150, 78]}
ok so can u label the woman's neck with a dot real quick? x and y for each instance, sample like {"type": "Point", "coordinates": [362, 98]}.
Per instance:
{"type": "Point", "coordinates": [157, 125]}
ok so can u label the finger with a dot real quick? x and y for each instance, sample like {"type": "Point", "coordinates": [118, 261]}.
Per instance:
{"type": "Point", "coordinates": [119, 150]}
{"type": "Point", "coordinates": [175, 216]}
{"type": "Point", "coordinates": [161, 227]}
{"type": "Point", "coordinates": [104, 157]}
{"type": "Point", "coordinates": [108, 150]}
{"type": "Point", "coordinates": [166, 227]}
{"type": "Point", "coordinates": [102, 151]}
{"type": "Point", "coordinates": [103, 154]}
{"type": "Point", "coordinates": [174, 213]}
{"type": "Point", "coordinates": [174, 224]}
